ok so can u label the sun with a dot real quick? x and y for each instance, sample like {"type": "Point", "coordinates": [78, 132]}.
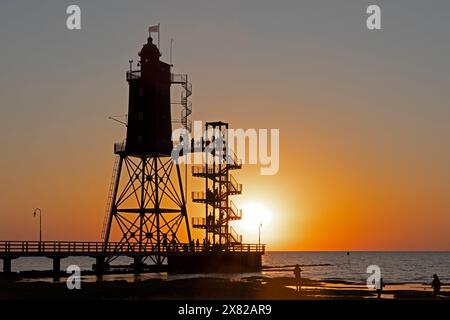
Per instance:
{"type": "Point", "coordinates": [255, 215]}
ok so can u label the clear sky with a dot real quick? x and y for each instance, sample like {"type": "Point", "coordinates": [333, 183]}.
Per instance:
{"type": "Point", "coordinates": [363, 115]}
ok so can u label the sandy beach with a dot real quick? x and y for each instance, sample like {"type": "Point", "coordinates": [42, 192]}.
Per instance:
{"type": "Point", "coordinates": [209, 288]}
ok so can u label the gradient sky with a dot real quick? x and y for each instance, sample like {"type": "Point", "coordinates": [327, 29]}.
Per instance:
{"type": "Point", "coordinates": [363, 115]}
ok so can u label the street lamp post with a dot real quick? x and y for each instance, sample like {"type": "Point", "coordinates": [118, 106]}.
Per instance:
{"type": "Point", "coordinates": [36, 211]}
{"type": "Point", "coordinates": [259, 235]}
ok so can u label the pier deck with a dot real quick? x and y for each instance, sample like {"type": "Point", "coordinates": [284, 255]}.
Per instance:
{"type": "Point", "coordinates": [175, 253]}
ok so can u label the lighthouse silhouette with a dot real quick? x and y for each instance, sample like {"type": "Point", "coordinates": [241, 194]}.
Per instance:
{"type": "Point", "coordinates": [146, 211]}
{"type": "Point", "coordinates": [146, 208]}
{"type": "Point", "coordinates": [149, 116]}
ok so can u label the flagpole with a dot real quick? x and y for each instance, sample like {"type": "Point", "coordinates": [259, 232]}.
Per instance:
{"type": "Point", "coordinates": [159, 36]}
{"type": "Point", "coordinates": [171, 45]}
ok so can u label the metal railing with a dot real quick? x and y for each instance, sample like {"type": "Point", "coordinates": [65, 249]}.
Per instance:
{"type": "Point", "coordinates": [201, 170]}
{"type": "Point", "coordinates": [45, 248]}
{"type": "Point", "coordinates": [178, 78]}
{"type": "Point", "coordinates": [182, 79]}
{"type": "Point", "coordinates": [134, 74]}
{"type": "Point", "coordinates": [209, 196]}
{"type": "Point", "coordinates": [233, 161]}
{"type": "Point", "coordinates": [236, 238]}
{"type": "Point", "coordinates": [234, 212]}
{"type": "Point", "coordinates": [63, 247]}
{"type": "Point", "coordinates": [198, 196]}
{"type": "Point", "coordinates": [197, 221]}
{"type": "Point", "coordinates": [119, 147]}
{"type": "Point", "coordinates": [234, 186]}
{"type": "Point", "coordinates": [237, 247]}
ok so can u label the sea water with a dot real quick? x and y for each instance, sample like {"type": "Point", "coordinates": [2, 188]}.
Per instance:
{"type": "Point", "coordinates": [396, 267]}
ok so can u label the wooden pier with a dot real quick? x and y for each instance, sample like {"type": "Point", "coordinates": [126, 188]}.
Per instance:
{"type": "Point", "coordinates": [180, 257]}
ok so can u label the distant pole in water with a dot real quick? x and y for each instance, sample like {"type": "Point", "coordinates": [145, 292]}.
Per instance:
{"type": "Point", "coordinates": [39, 211]}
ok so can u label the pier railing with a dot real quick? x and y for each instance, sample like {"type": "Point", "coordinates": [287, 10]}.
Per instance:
{"type": "Point", "coordinates": [70, 247]}
{"type": "Point", "coordinates": [78, 248]}
{"type": "Point", "coordinates": [134, 74]}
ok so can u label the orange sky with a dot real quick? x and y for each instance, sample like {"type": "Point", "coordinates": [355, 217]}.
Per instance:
{"type": "Point", "coordinates": [363, 118]}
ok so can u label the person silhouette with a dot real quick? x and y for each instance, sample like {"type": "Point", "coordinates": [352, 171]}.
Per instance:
{"type": "Point", "coordinates": [164, 242]}
{"type": "Point", "coordinates": [436, 285]}
{"type": "Point", "coordinates": [298, 277]}
{"type": "Point", "coordinates": [380, 287]}
{"type": "Point", "coordinates": [173, 242]}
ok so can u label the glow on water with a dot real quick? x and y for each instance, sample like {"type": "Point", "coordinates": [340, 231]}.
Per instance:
{"type": "Point", "coordinates": [396, 267]}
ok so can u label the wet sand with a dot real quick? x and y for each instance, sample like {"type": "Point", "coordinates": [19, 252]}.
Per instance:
{"type": "Point", "coordinates": [250, 288]}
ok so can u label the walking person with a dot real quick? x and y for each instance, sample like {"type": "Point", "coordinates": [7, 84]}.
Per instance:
{"type": "Point", "coordinates": [298, 277]}
{"type": "Point", "coordinates": [436, 285]}
{"type": "Point", "coordinates": [380, 287]}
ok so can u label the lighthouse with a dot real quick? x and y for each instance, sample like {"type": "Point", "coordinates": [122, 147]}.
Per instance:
{"type": "Point", "coordinates": [146, 207]}
{"type": "Point", "coordinates": [149, 115]}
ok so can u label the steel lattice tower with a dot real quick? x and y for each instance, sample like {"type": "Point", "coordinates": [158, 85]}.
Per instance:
{"type": "Point", "coordinates": [220, 185]}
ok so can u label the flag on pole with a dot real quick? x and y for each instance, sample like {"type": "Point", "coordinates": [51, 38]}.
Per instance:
{"type": "Point", "coordinates": [154, 28]}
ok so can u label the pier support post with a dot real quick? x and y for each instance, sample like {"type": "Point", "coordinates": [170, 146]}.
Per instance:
{"type": "Point", "coordinates": [56, 266]}
{"type": "Point", "coordinates": [100, 265]}
{"type": "Point", "coordinates": [138, 265]}
{"type": "Point", "coordinates": [6, 265]}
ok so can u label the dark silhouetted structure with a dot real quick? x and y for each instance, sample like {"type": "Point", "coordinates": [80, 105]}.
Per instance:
{"type": "Point", "coordinates": [219, 186]}
{"type": "Point", "coordinates": [146, 216]}
{"type": "Point", "coordinates": [146, 205]}
{"type": "Point", "coordinates": [149, 118]}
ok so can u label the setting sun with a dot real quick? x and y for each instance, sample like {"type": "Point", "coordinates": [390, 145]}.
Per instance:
{"type": "Point", "coordinates": [254, 214]}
